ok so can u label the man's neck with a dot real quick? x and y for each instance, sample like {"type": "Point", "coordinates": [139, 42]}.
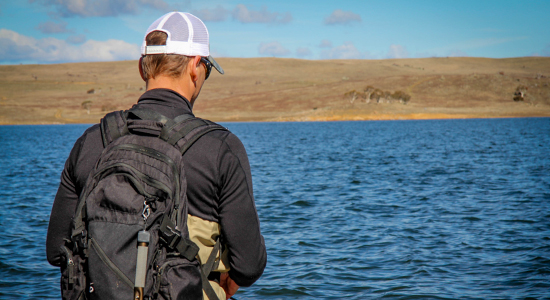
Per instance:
{"type": "Point", "coordinates": [167, 82]}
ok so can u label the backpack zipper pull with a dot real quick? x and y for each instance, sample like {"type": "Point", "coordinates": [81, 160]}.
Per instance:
{"type": "Point", "coordinates": [145, 213]}
{"type": "Point", "coordinates": [143, 247]}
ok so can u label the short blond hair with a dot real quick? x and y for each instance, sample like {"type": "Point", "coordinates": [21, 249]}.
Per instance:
{"type": "Point", "coordinates": [172, 65]}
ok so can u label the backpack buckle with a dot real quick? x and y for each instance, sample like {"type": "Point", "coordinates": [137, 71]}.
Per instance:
{"type": "Point", "coordinates": [81, 240]}
{"type": "Point", "coordinates": [175, 242]}
{"type": "Point", "coordinates": [168, 234]}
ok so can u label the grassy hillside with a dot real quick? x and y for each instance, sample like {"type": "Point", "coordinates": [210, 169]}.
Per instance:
{"type": "Point", "coordinates": [274, 89]}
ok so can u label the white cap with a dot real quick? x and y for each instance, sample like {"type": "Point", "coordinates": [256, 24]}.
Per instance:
{"type": "Point", "coordinates": [187, 35]}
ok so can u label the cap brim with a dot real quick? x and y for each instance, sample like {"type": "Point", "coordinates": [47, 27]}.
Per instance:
{"type": "Point", "coordinates": [215, 64]}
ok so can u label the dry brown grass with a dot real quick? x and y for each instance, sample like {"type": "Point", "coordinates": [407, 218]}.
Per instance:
{"type": "Point", "coordinates": [273, 89]}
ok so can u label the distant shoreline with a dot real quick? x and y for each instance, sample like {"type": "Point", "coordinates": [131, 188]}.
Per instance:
{"type": "Point", "coordinates": [381, 118]}
{"type": "Point", "coordinates": [277, 90]}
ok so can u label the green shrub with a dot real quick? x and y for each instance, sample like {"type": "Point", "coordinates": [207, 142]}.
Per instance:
{"type": "Point", "coordinates": [353, 95]}
{"type": "Point", "coordinates": [87, 105]}
{"type": "Point", "coordinates": [519, 94]}
{"type": "Point", "coordinates": [378, 95]}
{"type": "Point", "coordinates": [401, 96]}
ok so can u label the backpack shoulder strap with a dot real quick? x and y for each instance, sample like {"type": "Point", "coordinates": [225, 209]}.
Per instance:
{"type": "Point", "coordinates": [188, 128]}
{"type": "Point", "coordinates": [113, 126]}
{"type": "Point", "coordinates": [148, 114]}
{"type": "Point", "coordinates": [151, 115]}
{"type": "Point", "coordinates": [195, 136]}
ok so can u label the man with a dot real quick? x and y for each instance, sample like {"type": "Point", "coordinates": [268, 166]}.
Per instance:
{"type": "Point", "coordinates": [175, 64]}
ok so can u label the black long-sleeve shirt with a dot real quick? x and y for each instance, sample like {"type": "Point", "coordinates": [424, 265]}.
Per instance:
{"type": "Point", "coordinates": [219, 189]}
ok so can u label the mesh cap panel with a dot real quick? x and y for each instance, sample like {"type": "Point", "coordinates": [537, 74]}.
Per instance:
{"type": "Point", "coordinates": [201, 33]}
{"type": "Point", "coordinates": [153, 26]}
{"type": "Point", "coordinates": [176, 25]}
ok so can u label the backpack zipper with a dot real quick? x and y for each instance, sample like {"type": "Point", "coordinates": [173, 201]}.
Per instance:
{"type": "Point", "coordinates": [151, 181]}
{"type": "Point", "coordinates": [159, 276]}
{"type": "Point", "coordinates": [110, 264]}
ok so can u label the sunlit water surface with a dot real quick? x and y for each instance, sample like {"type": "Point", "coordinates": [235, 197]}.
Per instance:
{"type": "Point", "coordinates": [443, 209]}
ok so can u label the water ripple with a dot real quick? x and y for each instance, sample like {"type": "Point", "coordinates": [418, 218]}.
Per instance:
{"type": "Point", "coordinates": [450, 209]}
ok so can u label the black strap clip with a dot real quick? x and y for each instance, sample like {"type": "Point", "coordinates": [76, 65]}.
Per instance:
{"type": "Point", "coordinates": [173, 240]}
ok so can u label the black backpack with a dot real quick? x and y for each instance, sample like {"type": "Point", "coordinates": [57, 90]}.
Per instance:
{"type": "Point", "coordinates": [129, 238]}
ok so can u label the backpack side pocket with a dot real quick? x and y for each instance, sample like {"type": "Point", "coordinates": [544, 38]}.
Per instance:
{"type": "Point", "coordinates": [178, 278]}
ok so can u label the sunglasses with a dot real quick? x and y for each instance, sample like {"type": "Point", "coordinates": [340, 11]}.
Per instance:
{"type": "Point", "coordinates": [208, 67]}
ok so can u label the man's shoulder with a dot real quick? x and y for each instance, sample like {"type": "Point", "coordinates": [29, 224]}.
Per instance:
{"type": "Point", "coordinates": [90, 135]}
{"type": "Point", "coordinates": [84, 154]}
{"type": "Point", "coordinates": [92, 129]}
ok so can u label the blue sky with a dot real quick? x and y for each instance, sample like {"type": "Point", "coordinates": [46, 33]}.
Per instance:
{"type": "Point", "coordinates": [57, 31]}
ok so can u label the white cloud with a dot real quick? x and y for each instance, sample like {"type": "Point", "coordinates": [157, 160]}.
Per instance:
{"type": "Point", "coordinates": [15, 47]}
{"type": "Point", "coordinates": [345, 51]}
{"type": "Point", "coordinates": [342, 17]}
{"type": "Point", "coordinates": [325, 44]}
{"type": "Point", "coordinates": [217, 14]}
{"type": "Point", "coordinates": [397, 51]}
{"type": "Point", "coordinates": [102, 8]}
{"type": "Point", "coordinates": [273, 49]}
{"type": "Point", "coordinates": [52, 27]}
{"type": "Point", "coordinates": [303, 52]}
{"type": "Point", "coordinates": [242, 14]}
{"type": "Point", "coordinates": [76, 39]}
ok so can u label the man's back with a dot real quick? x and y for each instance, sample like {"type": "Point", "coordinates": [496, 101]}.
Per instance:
{"type": "Point", "coordinates": [219, 189]}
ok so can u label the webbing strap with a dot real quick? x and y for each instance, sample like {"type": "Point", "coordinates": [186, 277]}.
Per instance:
{"type": "Point", "coordinates": [115, 131]}
{"type": "Point", "coordinates": [192, 140]}
{"type": "Point", "coordinates": [209, 265]}
{"type": "Point", "coordinates": [148, 114]}
{"type": "Point", "coordinates": [207, 288]}
{"type": "Point", "coordinates": [103, 133]}
{"type": "Point", "coordinates": [166, 130]}
{"type": "Point", "coordinates": [206, 269]}
{"type": "Point", "coordinates": [182, 118]}
{"type": "Point", "coordinates": [113, 127]}
{"type": "Point", "coordinates": [175, 137]}
{"type": "Point", "coordinates": [124, 129]}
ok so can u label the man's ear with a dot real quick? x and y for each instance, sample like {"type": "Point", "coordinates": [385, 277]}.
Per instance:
{"type": "Point", "coordinates": [141, 69]}
{"type": "Point", "coordinates": [194, 68]}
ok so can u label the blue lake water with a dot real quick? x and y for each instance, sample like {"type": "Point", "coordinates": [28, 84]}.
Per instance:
{"type": "Point", "coordinates": [441, 209]}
